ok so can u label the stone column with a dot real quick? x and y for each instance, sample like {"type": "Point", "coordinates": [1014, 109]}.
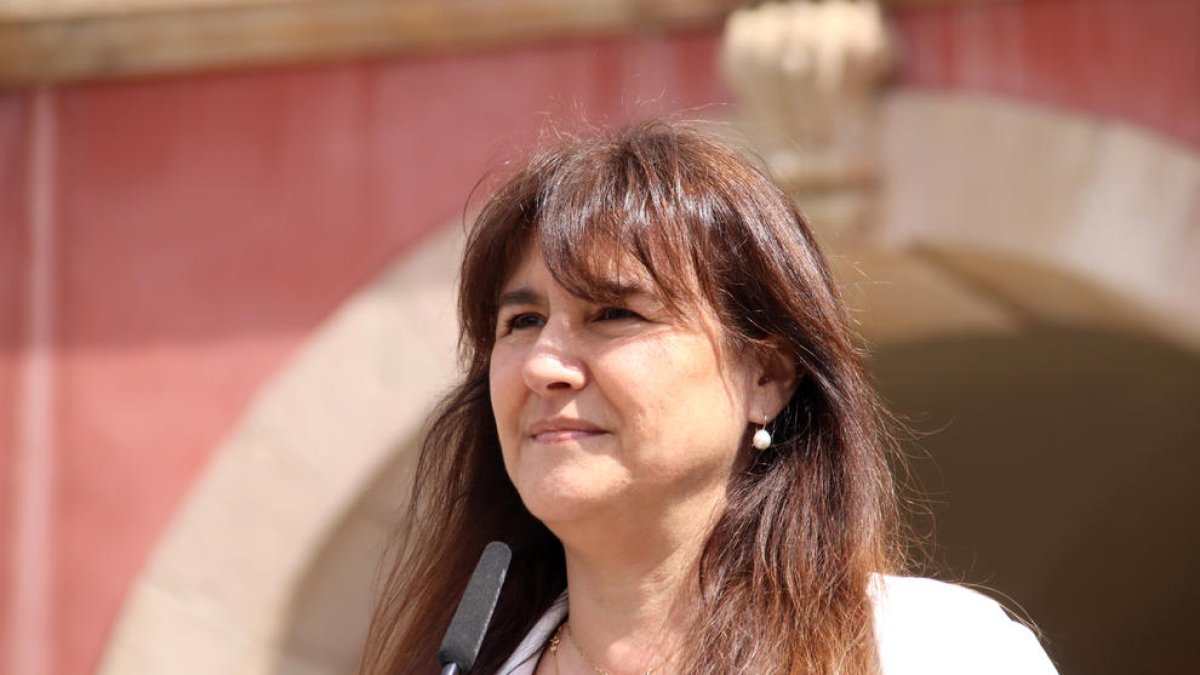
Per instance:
{"type": "Point", "coordinates": [806, 76]}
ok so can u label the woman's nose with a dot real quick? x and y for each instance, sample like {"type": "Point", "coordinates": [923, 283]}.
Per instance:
{"type": "Point", "coordinates": [553, 364]}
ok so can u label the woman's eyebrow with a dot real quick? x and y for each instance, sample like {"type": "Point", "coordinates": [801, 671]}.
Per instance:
{"type": "Point", "coordinates": [525, 296]}
{"type": "Point", "coordinates": [628, 290]}
{"type": "Point", "coordinates": [625, 290]}
{"type": "Point", "coordinates": [519, 296]}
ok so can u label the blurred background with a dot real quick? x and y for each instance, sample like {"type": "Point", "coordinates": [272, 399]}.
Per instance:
{"type": "Point", "coordinates": [228, 240]}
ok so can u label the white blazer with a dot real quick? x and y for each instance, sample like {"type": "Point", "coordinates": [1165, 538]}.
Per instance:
{"type": "Point", "coordinates": [922, 627]}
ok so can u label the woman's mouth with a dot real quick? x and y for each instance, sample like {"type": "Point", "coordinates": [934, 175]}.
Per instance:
{"type": "Point", "coordinates": [563, 436]}
{"type": "Point", "coordinates": [562, 430]}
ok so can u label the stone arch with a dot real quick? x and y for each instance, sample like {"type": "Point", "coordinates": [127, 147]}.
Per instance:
{"type": "Point", "coordinates": [1030, 294]}
{"type": "Point", "coordinates": [1036, 271]}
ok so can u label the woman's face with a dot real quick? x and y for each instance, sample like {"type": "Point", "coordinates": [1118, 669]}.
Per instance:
{"type": "Point", "coordinates": [611, 409]}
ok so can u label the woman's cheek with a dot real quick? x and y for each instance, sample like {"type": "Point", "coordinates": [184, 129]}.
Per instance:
{"type": "Point", "coordinates": [504, 388]}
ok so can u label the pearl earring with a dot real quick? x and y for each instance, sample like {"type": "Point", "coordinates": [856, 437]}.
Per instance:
{"type": "Point", "coordinates": [762, 437]}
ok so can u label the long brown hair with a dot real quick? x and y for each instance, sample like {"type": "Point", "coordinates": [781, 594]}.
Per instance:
{"type": "Point", "coordinates": [784, 573]}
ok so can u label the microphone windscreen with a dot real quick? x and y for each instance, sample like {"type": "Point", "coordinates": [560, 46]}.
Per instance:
{"type": "Point", "coordinates": [465, 635]}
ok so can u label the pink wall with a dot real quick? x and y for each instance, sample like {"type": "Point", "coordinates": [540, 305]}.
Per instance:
{"type": "Point", "coordinates": [206, 225]}
{"type": "Point", "coordinates": [1131, 60]}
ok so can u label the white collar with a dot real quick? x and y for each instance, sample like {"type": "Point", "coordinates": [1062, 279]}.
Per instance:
{"type": "Point", "coordinates": [524, 660]}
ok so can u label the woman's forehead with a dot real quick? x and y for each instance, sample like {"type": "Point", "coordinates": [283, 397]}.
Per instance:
{"type": "Point", "coordinates": [608, 273]}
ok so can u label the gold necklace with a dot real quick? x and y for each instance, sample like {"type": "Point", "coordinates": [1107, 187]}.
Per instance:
{"type": "Point", "coordinates": [554, 642]}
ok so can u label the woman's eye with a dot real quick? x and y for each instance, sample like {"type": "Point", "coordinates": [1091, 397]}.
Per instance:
{"type": "Point", "coordinates": [616, 314]}
{"type": "Point", "coordinates": [523, 320]}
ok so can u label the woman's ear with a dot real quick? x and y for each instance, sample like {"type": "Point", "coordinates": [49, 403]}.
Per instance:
{"type": "Point", "coordinates": [778, 376]}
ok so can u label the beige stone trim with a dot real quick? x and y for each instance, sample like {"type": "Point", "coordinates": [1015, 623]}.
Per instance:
{"type": "Point", "coordinates": [216, 594]}
{"type": "Point", "coordinates": [1110, 210]}
{"type": "Point", "coordinates": [31, 581]}
{"type": "Point", "coordinates": [66, 40]}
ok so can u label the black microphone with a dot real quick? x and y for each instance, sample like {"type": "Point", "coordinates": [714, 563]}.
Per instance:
{"type": "Point", "coordinates": [464, 637]}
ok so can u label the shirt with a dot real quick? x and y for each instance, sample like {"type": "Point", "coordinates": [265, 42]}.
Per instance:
{"type": "Point", "coordinates": [922, 627]}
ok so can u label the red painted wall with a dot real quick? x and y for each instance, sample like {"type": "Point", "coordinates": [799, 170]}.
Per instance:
{"type": "Point", "coordinates": [1131, 60]}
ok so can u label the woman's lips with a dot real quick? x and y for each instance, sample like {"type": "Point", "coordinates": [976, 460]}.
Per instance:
{"type": "Point", "coordinates": [564, 436]}
{"type": "Point", "coordinates": [563, 431]}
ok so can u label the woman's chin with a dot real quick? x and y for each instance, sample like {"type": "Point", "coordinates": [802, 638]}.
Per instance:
{"type": "Point", "coordinates": [568, 494]}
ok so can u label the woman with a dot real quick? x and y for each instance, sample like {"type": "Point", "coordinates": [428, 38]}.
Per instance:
{"type": "Point", "coordinates": [664, 414]}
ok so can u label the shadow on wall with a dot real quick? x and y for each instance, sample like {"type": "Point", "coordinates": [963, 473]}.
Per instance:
{"type": "Point", "coordinates": [1064, 471]}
